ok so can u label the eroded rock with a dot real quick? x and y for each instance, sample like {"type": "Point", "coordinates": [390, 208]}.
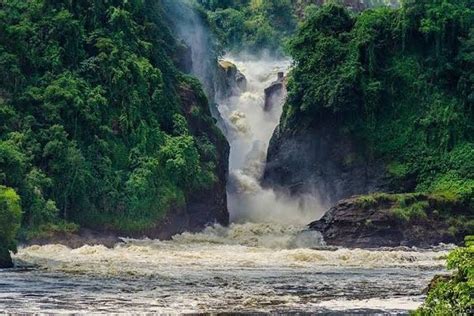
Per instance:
{"type": "Point", "coordinates": [392, 220]}
{"type": "Point", "coordinates": [230, 81]}
{"type": "Point", "coordinates": [275, 92]}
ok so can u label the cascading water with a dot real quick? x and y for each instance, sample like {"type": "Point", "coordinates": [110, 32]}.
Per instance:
{"type": "Point", "coordinates": [262, 262]}
{"type": "Point", "coordinates": [249, 127]}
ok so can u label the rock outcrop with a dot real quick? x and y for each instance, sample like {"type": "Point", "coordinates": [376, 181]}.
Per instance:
{"type": "Point", "coordinates": [208, 205]}
{"type": "Point", "coordinates": [321, 160]}
{"type": "Point", "coordinates": [183, 57]}
{"type": "Point", "coordinates": [230, 81]}
{"type": "Point", "coordinates": [385, 220]}
{"type": "Point", "coordinates": [5, 258]}
{"type": "Point", "coordinates": [275, 92]}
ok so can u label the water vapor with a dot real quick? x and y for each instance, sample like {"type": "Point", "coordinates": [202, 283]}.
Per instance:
{"type": "Point", "coordinates": [249, 128]}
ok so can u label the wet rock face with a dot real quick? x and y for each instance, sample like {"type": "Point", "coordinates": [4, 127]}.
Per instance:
{"type": "Point", "coordinates": [275, 92]}
{"type": "Point", "coordinates": [354, 223]}
{"type": "Point", "coordinates": [183, 57]}
{"type": "Point", "coordinates": [5, 258]}
{"type": "Point", "coordinates": [208, 205]}
{"type": "Point", "coordinates": [230, 81]}
{"type": "Point", "coordinates": [321, 161]}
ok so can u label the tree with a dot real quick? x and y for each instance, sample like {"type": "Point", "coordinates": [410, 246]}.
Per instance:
{"type": "Point", "coordinates": [10, 219]}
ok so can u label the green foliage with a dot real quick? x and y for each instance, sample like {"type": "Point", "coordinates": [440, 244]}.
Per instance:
{"type": "Point", "coordinates": [51, 229]}
{"type": "Point", "coordinates": [400, 81]}
{"type": "Point", "coordinates": [455, 213]}
{"type": "Point", "coordinates": [10, 217]}
{"type": "Point", "coordinates": [366, 201]}
{"type": "Point", "coordinates": [454, 295]}
{"type": "Point", "coordinates": [412, 211]}
{"type": "Point", "coordinates": [252, 25]}
{"type": "Point", "coordinates": [93, 130]}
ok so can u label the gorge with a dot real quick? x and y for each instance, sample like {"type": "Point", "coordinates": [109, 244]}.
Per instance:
{"type": "Point", "coordinates": [219, 157]}
{"type": "Point", "coordinates": [265, 261]}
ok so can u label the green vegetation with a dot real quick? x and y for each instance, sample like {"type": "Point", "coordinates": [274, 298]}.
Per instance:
{"type": "Point", "coordinates": [419, 207]}
{"type": "Point", "coordinates": [10, 218]}
{"type": "Point", "coordinates": [94, 128]}
{"type": "Point", "coordinates": [254, 26]}
{"type": "Point", "coordinates": [251, 25]}
{"type": "Point", "coordinates": [412, 211]}
{"type": "Point", "coordinates": [453, 295]}
{"type": "Point", "coordinates": [399, 81]}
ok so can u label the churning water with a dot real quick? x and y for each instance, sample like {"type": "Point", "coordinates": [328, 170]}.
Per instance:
{"type": "Point", "coordinates": [249, 128]}
{"type": "Point", "coordinates": [265, 262]}
{"type": "Point", "coordinates": [245, 267]}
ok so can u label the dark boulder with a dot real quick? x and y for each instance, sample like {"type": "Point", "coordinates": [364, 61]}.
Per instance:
{"type": "Point", "coordinates": [392, 220]}
{"type": "Point", "coordinates": [5, 258]}
{"type": "Point", "coordinates": [275, 92]}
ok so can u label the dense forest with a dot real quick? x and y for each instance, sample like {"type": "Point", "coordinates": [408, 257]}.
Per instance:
{"type": "Point", "coordinates": [257, 26]}
{"type": "Point", "coordinates": [401, 84]}
{"type": "Point", "coordinates": [400, 81]}
{"type": "Point", "coordinates": [101, 128]}
{"type": "Point", "coordinates": [95, 128]}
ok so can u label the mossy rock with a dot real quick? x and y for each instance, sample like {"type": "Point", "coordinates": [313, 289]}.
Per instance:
{"type": "Point", "coordinates": [227, 65]}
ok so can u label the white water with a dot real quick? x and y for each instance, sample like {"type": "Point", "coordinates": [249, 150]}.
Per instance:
{"type": "Point", "coordinates": [265, 262]}
{"type": "Point", "coordinates": [246, 267]}
{"type": "Point", "coordinates": [248, 130]}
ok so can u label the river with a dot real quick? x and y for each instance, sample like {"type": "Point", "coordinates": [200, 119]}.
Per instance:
{"type": "Point", "coordinates": [266, 261]}
{"type": "Point", "coordinates": [245, 268]}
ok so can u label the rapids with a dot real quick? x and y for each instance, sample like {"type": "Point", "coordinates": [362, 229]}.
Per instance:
{"type": "Point", "coordinates": [266, 261]}
{"type": "Point", "coordinates": [245, 267]}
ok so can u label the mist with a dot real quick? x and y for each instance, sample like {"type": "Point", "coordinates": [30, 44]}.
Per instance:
{"type": "Point", "coordinates": [191, 28]}
{"type": "Point", "coordinates": [249, 128]}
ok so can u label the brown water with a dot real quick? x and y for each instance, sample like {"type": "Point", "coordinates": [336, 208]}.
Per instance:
{"type": "Point", "coordinates": [245, 268]}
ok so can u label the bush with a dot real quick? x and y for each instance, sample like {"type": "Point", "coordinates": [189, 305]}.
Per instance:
{"type": "Point", "coordinates": [454, 296]}
{"type": "Point", "coordinates": [10, 219]}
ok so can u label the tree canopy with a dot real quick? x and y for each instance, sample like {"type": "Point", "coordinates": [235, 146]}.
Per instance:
{"type": "Point", "coordinates": [400, 81]}
{"type": "Point", "coordinates": [92, 126]}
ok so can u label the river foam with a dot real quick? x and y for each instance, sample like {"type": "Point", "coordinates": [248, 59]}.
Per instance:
{"type": "Point", "coordinates": [238, 246]}
{"type": "Point", "coordinates": [244, 267]}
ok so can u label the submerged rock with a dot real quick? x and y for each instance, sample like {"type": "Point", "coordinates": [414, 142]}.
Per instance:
{"type": "Point", "coordinates": [392, 220]}
{"type": "Point", "coordinates": [77, 239]}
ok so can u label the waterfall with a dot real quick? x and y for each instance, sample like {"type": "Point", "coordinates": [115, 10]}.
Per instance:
{"type": "Point", "coordinates": [249, 128]}
{"type": "Point", "coordinates": [245, 121]}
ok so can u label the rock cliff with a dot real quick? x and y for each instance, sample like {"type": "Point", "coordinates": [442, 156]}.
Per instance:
{"type": "Point", "coordinates": [392, 220]}
{"type": "Point", "coordinates": [323, 161]}
{"type": "Point", "coordinates": [229, 80]}
{"type": "Point", "coordinates": [275, 92]}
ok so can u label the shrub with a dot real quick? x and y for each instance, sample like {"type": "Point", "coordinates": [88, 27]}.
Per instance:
{"type": "Point", "coordinates": [455, 295]}
{"type": "Point", "coordinates": [10, 219]}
